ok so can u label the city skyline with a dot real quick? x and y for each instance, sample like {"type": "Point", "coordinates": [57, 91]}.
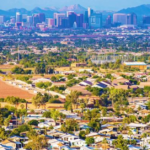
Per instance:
{"type": "Point", "coordinates": [95, 4]}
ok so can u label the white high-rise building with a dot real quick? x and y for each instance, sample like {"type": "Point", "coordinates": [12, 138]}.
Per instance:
{"type": "Point", "coordinates": [57, 18]}
{"type": "Point", "coordinates": [120, 18]}
{"type": "Point", "coordinates": [125, 19]}
{"type": "Point", "coordinates": [18, 17]}
{"type": "Point", "coordinates": [30, 20]}
{"type": "Point", "coordinates": [2, 19]}
{"type": "Point", "coordinates": [90, 12]}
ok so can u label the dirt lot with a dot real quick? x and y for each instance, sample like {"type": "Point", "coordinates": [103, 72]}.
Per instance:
{"type": "Point", "coordinates": [7, 68]}
{"type": "Point", "coordinates": [8, 90]}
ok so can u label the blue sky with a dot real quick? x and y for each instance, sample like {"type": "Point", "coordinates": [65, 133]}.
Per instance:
{"type": "Point", "coordinates": [95, 4]}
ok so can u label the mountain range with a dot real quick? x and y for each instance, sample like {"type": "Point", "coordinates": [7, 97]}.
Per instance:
{"type": "Point", "coordinates": [48, 10]}
{"type": "Point", "coordinates": [139, 10]}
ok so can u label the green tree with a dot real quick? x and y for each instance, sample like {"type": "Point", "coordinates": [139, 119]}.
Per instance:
{"type": "Point", "coordinates": [55, 114]}
{"type": "Point", "coordinates": [95, 125]}
{"type": "Point", "coordinates": [120, 143]}
{"type": "Point", "coordinates": [3, 134]}
{"type": "Point", "coordinates": [71, 100]}
{"type": "Point", "coordinates": [33, 122]}
{"type": "Point", "coordinates": [39, 100]}
{"type": "Point", "coordinates": [90, 140]}
{"type": "Point", "coordinates": [47, 114]}
{"type": "Point", "coordinates": [22, 128]}
{"type": "Point", "coordinates": [7, 120]}
{"type": "Point", "coordinates": [82, 134]}
{"type": "Point", "coordinates": [130, 133]}
{"type": "Point", "coordinates": [69, 126]}
{"type": "Point", "coordinates": [17, 70]}
{"type": "Point", "coordinates": [36, 142]}
{"type": "Point", "coordinates": [1, 120]}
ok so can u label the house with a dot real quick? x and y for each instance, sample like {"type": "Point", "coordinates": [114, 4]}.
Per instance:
{"type": "Point", "coordinates": [59, 83]}
{"type": "Point", "coordinates": [121, 81]}
{"type": "Point", "coordinates": [68, 115]}
{"type": "Point", "coordinates": [9, 143]}
{"type": "Point", "coordinates": [144, 112]}
{"type": "Point", "coordinates": [47, 123]}
{"type": "Point", "coordinates": [86, 70]}
{"type": "Point", "coordinates": [140, 105]}
{"type": "Point", "coordinates": [145, 141]}
{"type": "Point", "coordinates": [55, 144]}
{"type": "Point", "coordinates": [4, 147]}
{"type": "Point", "coordinates": [54, 133]}
{"type": "Point", "coordinates": [81, 89]}
{"type": "Point", "coordinates": [138, 126]}
{"type": "Point", "coordinates": [102, 85]}
{"type": "Point", "coordinates": [85, 83]}
{"type": "Point", "coordinates": [139, 65]}
{"type": "Point", "coordinates": [111, 119]}
{"type": "Point", "coordinates": [135, 100]}
{"type": "Point", "coordinates": [78, 65]}
{"type": "Point", "coordinates": [68, 137]}
{"type": "Point", "coordinates": [77, 143]}
{"type": "Point", "coordinates": [92, 134]}
{"type": "Point", "coordinates": [143, 84]}
{"type": "Point", "coordinates": [36, 80]}
{"type": "Point", "coordinates": [125, 87]}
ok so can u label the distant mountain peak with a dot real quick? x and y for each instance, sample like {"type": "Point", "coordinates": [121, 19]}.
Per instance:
{"type": "Point", "coordinates": [76, 8]}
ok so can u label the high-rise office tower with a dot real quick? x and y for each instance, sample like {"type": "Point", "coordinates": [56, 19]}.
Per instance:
{"type": "Point", "coordinates": [72, 18]}
{"type": "Point", "coordinates": [132, 19]}
{"type": "Point", "coordinates": [120, 18]}
{"type": "Point", "coordinates": [24, 17]}
{"type": "Point", "coordinates": [51, 22]}
{"type": "Point", "coordinates": [79, 20]}
{"type": "Point", "coordinates": [90, 12]}
{"type": "Point", "coordinates": [108, 21]}
{"type": "Point", "coordinates": [35, 19]}
{"type": "Point", "coordinates": [57, 18]}
{"type": "Point", "coordinates": [30, 20]}
{"type": "Point", "coordinates": [95, 21]}
{"type": "Point", "coordinates": [18, 17]}
{"type": "Point", "coordinates": [41, 17]}
{"type": "Point", "coordinates": [146, 20]}
{"type": "Point", "coordinates": [2, 19]}
{"type": "Point", "coordinates": [68, 12]}
{"type": "Point", "coordinates": [64, 22]}
{"type": "Point", "coordinates": [86, 18]}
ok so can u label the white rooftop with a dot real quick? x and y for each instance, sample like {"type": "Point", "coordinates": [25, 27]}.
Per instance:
{"type": "Point", "coordinates": [134, 125]}
{"type": "Point", "coordinates": [134, 63]}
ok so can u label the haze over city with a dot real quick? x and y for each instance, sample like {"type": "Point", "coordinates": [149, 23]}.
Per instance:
{"type": "Point", "coordinates": [95, 4]}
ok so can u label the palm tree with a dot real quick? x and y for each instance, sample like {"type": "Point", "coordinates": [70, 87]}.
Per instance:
{"type": "Point", "coordinates": [61, 116]}
{"type": "Point", "coordinates": [37, 142]}
{"type": "Point", "coordinates": [72, 99]}
{"type": "Point", "coordinates": [82, 105]}
{"type": "Point", "coordinates": [143, 136]}
{"type": "Point", "coordinates": [55, 114]}
{"type": "Point", "coordinates": [130, 133]}
{"type": "Point", "coordinates": [105, 142]}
